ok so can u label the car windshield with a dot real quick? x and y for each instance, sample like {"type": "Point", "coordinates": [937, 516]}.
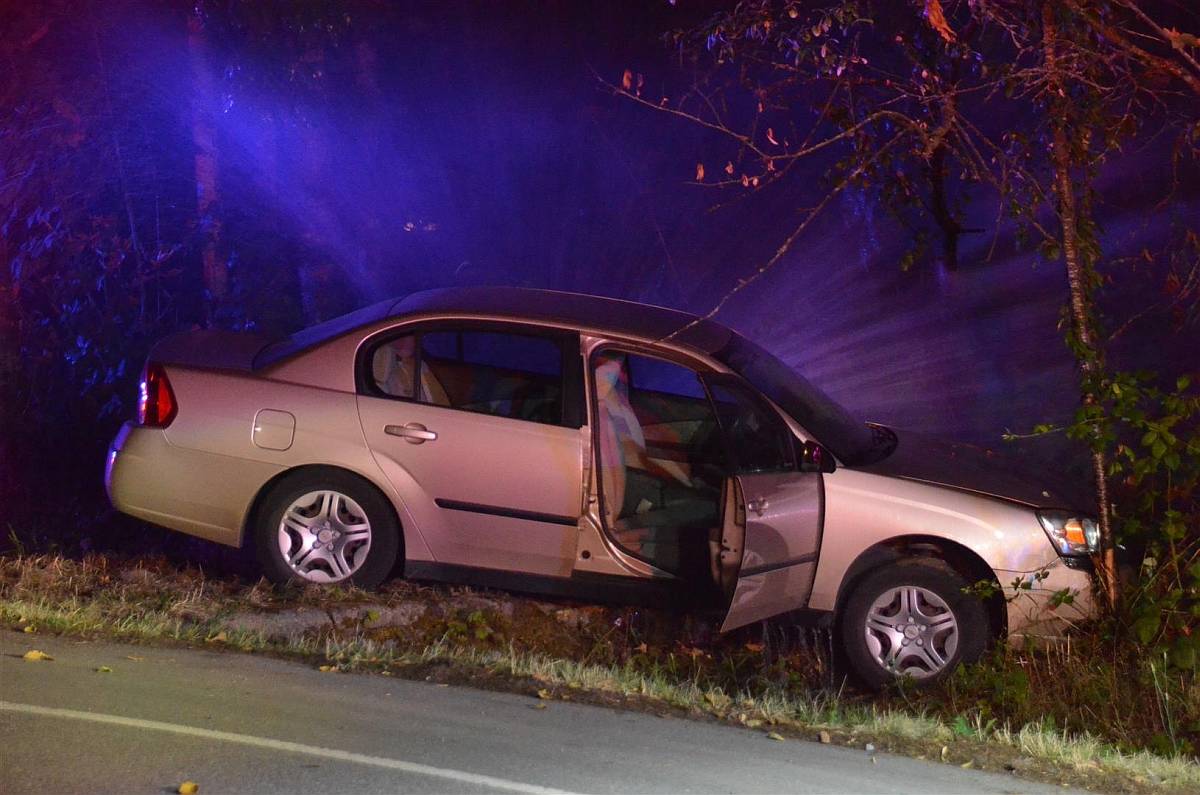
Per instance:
{"type": "Point", "coordinates": [853, 441]}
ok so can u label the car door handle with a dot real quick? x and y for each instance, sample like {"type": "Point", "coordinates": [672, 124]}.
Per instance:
{"type": "Point", "coordinates": [413, 432]}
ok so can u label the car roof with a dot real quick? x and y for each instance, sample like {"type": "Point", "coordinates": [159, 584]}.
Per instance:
{"type": "Point", "coordinates": [570, 309]}
{"type": "Point", "coordinates": [576, 310]}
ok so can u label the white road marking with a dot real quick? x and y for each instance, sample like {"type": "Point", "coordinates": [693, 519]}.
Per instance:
{"type": "Point", "coordinates": [458, 776]}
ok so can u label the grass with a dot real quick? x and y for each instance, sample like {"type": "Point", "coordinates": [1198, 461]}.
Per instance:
{"type": "Point", "coordinates": [636, 659]}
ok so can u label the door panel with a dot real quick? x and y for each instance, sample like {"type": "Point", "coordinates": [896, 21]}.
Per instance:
{"type": "Point", "coordinates": [488, 491]}
{"type": "Point", "coordinates": [783, 513]}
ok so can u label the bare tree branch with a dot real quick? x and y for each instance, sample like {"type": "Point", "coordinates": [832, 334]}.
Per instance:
{"type": "Point", "coordinates": [811, 215]}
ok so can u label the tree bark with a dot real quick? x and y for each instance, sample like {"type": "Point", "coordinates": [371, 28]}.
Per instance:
{"type": "Point", "coordinates": [1088, 350]}
{"type": "Point", "coordinates": [213, 270]}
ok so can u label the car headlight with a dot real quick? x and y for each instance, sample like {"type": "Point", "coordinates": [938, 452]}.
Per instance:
{"type": "Point", "coordinates": [1072, 535]}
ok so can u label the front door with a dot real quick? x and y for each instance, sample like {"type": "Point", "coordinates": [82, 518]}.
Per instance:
{"type": "Point", "coordinates": [775, 521]}
{"type": "Point", "coordinates": [478, 427]}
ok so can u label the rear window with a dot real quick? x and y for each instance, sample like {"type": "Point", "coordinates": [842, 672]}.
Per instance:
{"type": "Point", "coordinates": [313, 336]}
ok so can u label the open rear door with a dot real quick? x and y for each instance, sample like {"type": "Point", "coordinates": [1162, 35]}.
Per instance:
{"type": "Point", "coordinates": [781, 515]}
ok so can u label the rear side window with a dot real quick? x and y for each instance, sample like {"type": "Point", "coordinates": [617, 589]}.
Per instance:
{"type": "Point", "coordinates": [501, 373]}
{"type": "Point", "coordinates": [394, 367]}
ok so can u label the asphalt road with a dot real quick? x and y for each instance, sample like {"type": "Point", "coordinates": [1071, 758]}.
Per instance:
{"type": "Point", "coordinates": [239, 723]}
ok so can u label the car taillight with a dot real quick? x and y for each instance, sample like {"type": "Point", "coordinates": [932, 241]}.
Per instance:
{"type": "Point", "coordinates": [156, 400]}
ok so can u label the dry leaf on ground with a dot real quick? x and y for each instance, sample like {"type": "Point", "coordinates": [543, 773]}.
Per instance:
{"type": "Point", "coordinates": [33, 655]}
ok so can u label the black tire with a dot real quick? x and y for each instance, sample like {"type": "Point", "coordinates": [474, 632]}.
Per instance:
{"type": "Point", "coordinates": [930, 575]}
{"type": "Point", "coordinates": [386, 542]}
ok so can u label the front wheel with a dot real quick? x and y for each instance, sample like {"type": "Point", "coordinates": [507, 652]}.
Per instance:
{"type": "Point", "coordinates": [912, 619]}
{"type": "Point", "coordinates": [327, 526]}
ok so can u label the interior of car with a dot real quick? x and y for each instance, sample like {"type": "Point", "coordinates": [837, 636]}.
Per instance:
{"type": "Point", "coordinates": [661, 464]}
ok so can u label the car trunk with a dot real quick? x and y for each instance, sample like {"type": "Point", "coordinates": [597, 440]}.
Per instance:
{"type": "Point", "coordinates": [209, 349]}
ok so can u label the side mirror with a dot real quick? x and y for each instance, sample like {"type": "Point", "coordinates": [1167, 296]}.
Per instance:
{"type": "Point", "coordinates": [815, 458]}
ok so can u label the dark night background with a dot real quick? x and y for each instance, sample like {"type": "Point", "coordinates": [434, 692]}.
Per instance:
{"type": "Point", "coordinates": [369, 149]}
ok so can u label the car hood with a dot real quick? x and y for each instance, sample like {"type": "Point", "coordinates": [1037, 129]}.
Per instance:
{"type": "Point", "coordinates": [976, 469]}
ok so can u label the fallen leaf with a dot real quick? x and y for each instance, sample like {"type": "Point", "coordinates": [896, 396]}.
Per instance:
{"type": "Point", "coordinates": [327, 669]}
{"type": "Point", "coordinates": [543, 693]}
{"type": "Point", "coordinates": [753, 723]}
{"type": "Point", "coordinates": [33, 655]}
{"type": "Point", "coordinates": [945, 752]}
{"type": "Point", "coordinates": [134, 657]}
{"type": "Point", "coordinates": [29, 630]}
{"type": "Point", "coordinates": [775, 736]}
{"type": "Point", "coordinates": [824, 737]}
{"type": "Point", "coordinates": [104, 669]}
{"type": "Point", "coordinates": [188, 788]}
{"type": "Point", "coordinates": [968, 763]}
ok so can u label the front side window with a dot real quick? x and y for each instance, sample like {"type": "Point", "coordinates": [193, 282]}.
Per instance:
{"type": "Point", "coordinates": [501, 373]}
{"type": "Point", "coordinates": [757, 437]}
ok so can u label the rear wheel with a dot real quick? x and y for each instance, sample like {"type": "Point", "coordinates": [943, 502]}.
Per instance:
{"type": "Point", "coordinates": [327, 526]}
{"type": "Point", "coordinates": [912, 619]}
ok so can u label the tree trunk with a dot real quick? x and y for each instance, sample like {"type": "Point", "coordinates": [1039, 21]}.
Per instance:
{"type": "Point", "coordinates": [946, 222]}
{"type": "Point", "coordinates": [1087, 349]}
{"type": "Point", "coordinates": [204, 138]}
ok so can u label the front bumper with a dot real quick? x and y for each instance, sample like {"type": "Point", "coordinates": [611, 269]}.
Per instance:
{"type": "Point", "coordinates": [1039, 610]}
